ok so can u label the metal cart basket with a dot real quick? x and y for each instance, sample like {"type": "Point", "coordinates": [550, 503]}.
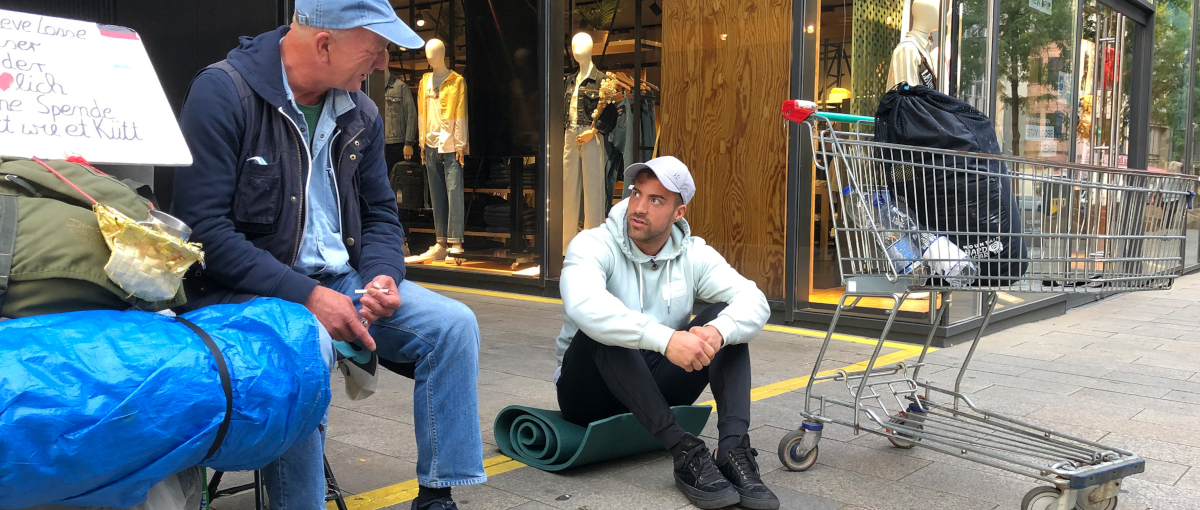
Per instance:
{"type": "Point", "coordinates": [1084, 229]}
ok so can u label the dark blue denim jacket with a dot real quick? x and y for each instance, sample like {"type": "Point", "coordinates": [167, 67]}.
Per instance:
{"type": "Point", "coordinates": [589, 98]}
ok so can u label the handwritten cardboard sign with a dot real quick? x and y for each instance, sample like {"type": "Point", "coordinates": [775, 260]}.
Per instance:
{"type": "Point", "coordinates": [76, 88]}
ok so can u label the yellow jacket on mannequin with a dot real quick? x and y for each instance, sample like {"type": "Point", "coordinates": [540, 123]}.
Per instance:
{"type": "Point", "coordinates": [452, 98]}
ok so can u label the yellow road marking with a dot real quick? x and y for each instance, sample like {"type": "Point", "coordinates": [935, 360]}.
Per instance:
{"type": "Point", "coordinates": [836, 336]}
{"type": "Point", "coordinates": [406, 491]}
{"type": "Point", "coordinates": [770, 327]}
{"type": "Point", "coordinates": [782, 387]}
{"type": "Point", "coordinates": [490, 293]}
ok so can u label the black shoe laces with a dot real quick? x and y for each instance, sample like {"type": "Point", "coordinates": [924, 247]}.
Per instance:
{"type": "Point", "coordinates": [743, 461]}
{"type": "Point", "coordinates": [700, 461]}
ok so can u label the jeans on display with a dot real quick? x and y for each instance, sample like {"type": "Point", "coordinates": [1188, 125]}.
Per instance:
{"type": "Point", "coordinates": [621, 146]}
{"type": "Point", "coordinates": [445, 177]}
{"type": "Point", "coordinates": [599, 381]}
{"type": "Point", "coordinates": [441, 336]}
{"type": "Point", "coordinates": [583, 175]}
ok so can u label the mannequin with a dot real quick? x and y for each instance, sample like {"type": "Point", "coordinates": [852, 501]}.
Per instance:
{"type": "Point", "coordinates": [442, 112]}
{"type": "Point", "coordinates": [912, 60]}
{"type": "Point", "coordinates": [400, 121]}
{"type": "Point", "coordinates": [583, 148]}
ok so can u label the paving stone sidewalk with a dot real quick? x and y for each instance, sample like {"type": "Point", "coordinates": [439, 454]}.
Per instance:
{"type": "Point", "coordinates": [1125, 372]}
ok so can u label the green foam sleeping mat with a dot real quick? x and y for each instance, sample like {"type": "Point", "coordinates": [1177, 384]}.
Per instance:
{"type": "Point", "coordinates": [545, 440]}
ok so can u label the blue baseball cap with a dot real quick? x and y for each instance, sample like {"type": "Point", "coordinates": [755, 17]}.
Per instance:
{"type": "Point", "coordinates": [375, 15]}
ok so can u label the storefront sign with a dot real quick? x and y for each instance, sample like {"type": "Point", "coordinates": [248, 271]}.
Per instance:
{"type": "Point", "coordinates": [1036, 132]}
{"type": "Point", "coordinates": [1042, 5]}
{"type": "Point", "coordinates": [1049, 149]}
{"type": "Point", "coordinates": [76, 88]}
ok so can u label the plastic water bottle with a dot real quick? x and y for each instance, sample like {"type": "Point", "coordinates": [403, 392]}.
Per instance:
{"type": "Point", "coordinates": [895, 227]}
{"type": "Point", "coordinates": [909, 248]}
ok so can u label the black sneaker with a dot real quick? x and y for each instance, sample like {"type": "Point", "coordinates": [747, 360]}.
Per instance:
{"type": "Point", "coordinates": [437, 504]}
{"type": "Point", "coordinates": [697, 477]}
{"type": "Point", "coordinates": [739, 467]}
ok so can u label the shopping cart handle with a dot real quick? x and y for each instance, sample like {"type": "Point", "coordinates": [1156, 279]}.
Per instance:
{"type": "Point", "coordinates": [847, 118]}
{"type": "Point", "coordinates": [797, 110]}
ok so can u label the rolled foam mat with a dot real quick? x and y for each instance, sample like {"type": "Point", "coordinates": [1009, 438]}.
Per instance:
{"type": "Point", "coordinates": [545, 440]}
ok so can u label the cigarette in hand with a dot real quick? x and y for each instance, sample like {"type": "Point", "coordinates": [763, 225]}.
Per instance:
{"type": "Point", "coordinates": [364, 291]}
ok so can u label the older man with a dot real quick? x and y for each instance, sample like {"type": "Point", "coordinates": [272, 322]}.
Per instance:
{"type": "Point", "coordinates": [290, 197]}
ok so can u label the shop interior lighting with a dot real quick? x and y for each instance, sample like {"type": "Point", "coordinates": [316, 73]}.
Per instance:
{"type": "Point", "coordinates": [420, 20]}
{"type": "Point", "coordinates": [837, 95]}
{"type": "Point", "coordinates": [810, 29]}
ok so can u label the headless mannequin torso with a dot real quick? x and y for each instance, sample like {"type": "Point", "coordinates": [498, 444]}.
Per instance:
{"type": "Point", "coordinates": [912, 57]}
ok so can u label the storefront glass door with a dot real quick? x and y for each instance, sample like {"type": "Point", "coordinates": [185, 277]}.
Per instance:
{"type": "Point", "coordinates": [1105, 48]}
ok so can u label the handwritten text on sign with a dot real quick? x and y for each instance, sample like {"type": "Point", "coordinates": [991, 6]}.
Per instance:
{"type": "Point", "coordinates": [71, 87]}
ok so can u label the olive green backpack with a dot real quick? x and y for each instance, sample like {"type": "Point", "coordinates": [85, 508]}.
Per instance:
{"type": "Point", "coordinates": [52, 254]}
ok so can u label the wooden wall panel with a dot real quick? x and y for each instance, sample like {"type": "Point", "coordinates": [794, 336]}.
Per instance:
{"type": "Point", "coordinates": [725, 73]}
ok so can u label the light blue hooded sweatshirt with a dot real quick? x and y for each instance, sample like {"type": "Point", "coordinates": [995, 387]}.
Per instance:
{"type": "Point", "coordinates": [620, 296]}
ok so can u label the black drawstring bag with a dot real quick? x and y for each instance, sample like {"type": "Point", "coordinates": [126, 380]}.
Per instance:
{"type": "Point", "coordinates": [979, 204]}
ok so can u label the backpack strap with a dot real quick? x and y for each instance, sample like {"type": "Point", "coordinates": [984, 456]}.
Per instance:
{"type": "Point", "coordinates": [226, 384]}
{"type": "Point", "coordinates": [250, 108]}
{"type": "Point", "coordinates": [8, 240]}
{"type": "Point", "coordinates": [251, 105]}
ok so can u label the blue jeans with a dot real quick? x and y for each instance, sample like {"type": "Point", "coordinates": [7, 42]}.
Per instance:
{"type": "Point", "coordinates": [296, 480]}
{"type": "Point", "coordinates": [445, 177]}
{"type": "Point", "coordinates": [441, 336]}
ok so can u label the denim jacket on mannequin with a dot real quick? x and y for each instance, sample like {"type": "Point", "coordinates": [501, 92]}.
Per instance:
{"type": "Point", "coordinates": [400, 114]}
{"type": "Point", "coordinates": [589, 98]}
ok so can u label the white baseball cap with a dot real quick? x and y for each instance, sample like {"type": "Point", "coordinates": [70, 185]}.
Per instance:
{"type": "Point", "coordinates": [671, 172]}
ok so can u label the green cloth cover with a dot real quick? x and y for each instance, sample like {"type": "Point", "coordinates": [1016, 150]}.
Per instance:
{"type": "Point", "coordinates": [545, 440]}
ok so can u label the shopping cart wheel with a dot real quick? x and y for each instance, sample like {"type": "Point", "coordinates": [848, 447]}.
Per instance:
{"type": "Point", "coordinates": [1041, 498]}
{"type": "Point", "coordinates": [901, 443]}
{"type": "Point", "coordinates": [1083, 503]}
{"type": "Point", "coordinates": [790, 455]}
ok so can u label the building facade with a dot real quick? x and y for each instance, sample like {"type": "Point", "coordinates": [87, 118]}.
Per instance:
{"type": "Point", "coordinates": [1101, 82]}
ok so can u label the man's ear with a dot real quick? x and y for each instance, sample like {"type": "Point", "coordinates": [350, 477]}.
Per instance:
{"type": "Point", "coordinates": [322, 41]}
{"type": "Point", "coordinates": [679, 212]}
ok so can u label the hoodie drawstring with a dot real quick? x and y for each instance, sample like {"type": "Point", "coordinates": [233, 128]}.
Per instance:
{"type": "Point", "coordinates": [641, 305]}
{"type": "Point", "coordinates": [670, 293]}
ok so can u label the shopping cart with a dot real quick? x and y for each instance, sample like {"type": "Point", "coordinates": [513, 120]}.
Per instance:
{"type": "Point", "coordinates": [1084, 229]}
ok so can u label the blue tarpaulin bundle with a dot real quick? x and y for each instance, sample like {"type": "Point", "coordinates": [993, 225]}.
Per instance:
{"type": "Point", "coordinates": [96, 407]}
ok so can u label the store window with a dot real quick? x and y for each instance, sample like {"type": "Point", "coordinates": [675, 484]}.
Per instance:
{"type": "Point", "coordinates": [1034, 87]}
{"type": "Point", "coordinates": [698, 80]}
{"type": "Point", "coordinates": [463, 127]}
{"type": "Point", "coordinates": [1169, 85]}
{"type": "Point", "coordinates": [1171, 95]}
{"type": "Point", "coordinates": [859, 42]}
{"type": "Point", "coordinates": [612, 79]}
{"type": "Point", "coordinates": [967, 42]}
{"type": "Point", "coordinates": [1105, 47]}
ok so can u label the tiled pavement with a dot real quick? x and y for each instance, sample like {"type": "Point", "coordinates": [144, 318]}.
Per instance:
{"type": "Point", "coordinates": [1125, 372]}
